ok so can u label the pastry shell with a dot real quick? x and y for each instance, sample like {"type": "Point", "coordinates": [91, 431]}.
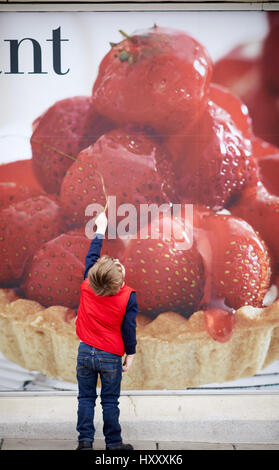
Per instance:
{"type": "Point", "coordinates": [172, 352]}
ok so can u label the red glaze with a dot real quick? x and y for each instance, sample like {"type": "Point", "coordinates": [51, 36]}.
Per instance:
{"type": "Point", "coordinates": [157, 77]}
{"type": "Point", "coordinates": [219, 324]}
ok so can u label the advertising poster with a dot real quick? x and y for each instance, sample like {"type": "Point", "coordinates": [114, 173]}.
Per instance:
{"type": "Point", "coordinates": [168, 121]}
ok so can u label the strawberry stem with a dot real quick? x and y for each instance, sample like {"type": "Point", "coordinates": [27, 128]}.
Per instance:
{"type": "Point", "coordinates": [125, 34]}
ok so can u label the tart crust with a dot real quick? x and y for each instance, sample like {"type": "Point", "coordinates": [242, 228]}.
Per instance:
{"type": "Point", "coordinates": [172, 352]}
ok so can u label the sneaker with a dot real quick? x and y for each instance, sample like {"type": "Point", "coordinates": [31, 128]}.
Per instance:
{"type": "Point", "coordinates": [84, 445]}
{"type": "Point", "coordinates": [121, 447]}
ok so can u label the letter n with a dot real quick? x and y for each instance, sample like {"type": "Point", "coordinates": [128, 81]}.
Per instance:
{"type": "Point", "coordinates": [14, 59]}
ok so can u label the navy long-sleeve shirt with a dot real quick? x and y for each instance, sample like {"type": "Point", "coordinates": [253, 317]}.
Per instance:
{"type": "Point", "coordinates": [128, 327]}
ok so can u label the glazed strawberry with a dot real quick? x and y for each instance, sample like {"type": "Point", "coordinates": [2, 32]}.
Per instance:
{"type": "Point", "coordinates": [261, 209]}
{"type": "Point", "coordinates": [24, 226]}
{"type": "Point", "coordinates": [157, 77]}
{"type": "Point", "coordinates": [121, 164]}
{"type": "Point", "coordinates": [56, 270]}
{"type": "Point", "coordinates": [66, 128]}
{"type": "Point", "coordinates": [233, 105]}
{"type": "Point", "coordinates": [237, 264]}
{"type": "Point", "coordinates": [214, 161]}
{"type": "Point", "coordinates": [165, 270]}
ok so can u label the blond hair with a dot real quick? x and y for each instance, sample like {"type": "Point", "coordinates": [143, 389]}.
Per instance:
{"type": "Point", "coordinates": [106, 276]}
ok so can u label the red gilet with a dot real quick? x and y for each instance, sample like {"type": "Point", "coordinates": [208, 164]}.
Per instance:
{"type": "Point", "coordinates": [99, 318]}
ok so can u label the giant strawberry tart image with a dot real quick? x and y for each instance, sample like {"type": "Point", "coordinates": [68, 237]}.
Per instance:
{"type": "Point", "coordinates": [164, 125]}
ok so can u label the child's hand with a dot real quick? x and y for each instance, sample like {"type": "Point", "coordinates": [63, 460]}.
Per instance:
{"type": "Point", "coordinates": [102, 223]}
{"type": "Point", "coordinates": [127, 362]}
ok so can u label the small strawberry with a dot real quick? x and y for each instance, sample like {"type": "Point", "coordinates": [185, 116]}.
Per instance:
{"type": "Point", "coordinates": [237, 264]}
{"type": "Point", "coordinates": [260, 209]}
{"type": "Point", "coordinates": [213, 161]}
{"type": "Point", "coordinates": [66, 128]}
{"type": "Point", "coordinates": [164, 269]}
{"type": "Point", "coordinates": [121, 164]}
{"type": "Point", "coordinates": [157, 77]}
{"type": "Point", "coordinates": [24, 226]}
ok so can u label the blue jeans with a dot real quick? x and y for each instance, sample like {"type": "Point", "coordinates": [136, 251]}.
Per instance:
{"type": "Point", "coordinates": [91, 362]}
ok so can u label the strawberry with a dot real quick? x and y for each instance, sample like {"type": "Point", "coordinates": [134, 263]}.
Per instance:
{"type": "Point", "coordinates": [21, 173]}
{"type": "Point", "coordinates": [54, 275]}
{"type": "Point", "coordinates": [56, 271]}
{"type": "Point", "coordinates": [214, 160]}
{"type": "Point", "coordinates": [261, 209]}
{"type": "Point", "coordinates": [122, 164]}
{"type": "Point", "coordinates": [157, 77]}
{"type": "Point", "coordinates": [166, 273]}
{"type": "Point", "coordinates": [237, 264]}
{"type": "Point", "coordinates": [66, 128]}
{"type": "Point", "coordinates": [13, 192]}
{"type": "Point", "coordinates": [24, 226]}
{"type": "Point", "coordinates": [233, 105]}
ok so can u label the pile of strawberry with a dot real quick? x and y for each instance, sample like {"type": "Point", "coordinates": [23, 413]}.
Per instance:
{"type": "Point", "coordinates": [156, 129]}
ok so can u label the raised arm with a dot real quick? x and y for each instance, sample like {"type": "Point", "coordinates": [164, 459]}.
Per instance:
{"type": "Point", "coordinates": [94, 251]}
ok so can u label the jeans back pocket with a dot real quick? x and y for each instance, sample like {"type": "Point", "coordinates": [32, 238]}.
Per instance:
{"type": "Point", "coordinates": [83, 366]}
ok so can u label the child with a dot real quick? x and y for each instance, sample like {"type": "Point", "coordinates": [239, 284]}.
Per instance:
{"type": "Point", "coordinates": [106, 326]}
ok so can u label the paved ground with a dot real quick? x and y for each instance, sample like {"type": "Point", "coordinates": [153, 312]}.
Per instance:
{"type": "Point", "coordinates": [67, 444]}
